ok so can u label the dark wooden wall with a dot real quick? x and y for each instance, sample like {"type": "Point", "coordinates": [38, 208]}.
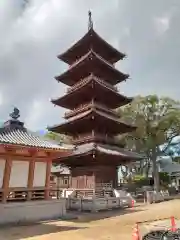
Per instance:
{"type": "Point", "coordinates": [88, 177]}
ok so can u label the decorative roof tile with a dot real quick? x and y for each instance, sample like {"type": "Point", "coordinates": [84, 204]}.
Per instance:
{"type": "Point", "coordinates": [26, 138]}
{"type": "Point", "coordinates": [14, 132]}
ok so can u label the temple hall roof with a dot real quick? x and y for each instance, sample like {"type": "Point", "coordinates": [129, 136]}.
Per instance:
{"type": "Point", "coordinates": [25, 138]}
{"type": "Point", "coordinates": [13, 132]}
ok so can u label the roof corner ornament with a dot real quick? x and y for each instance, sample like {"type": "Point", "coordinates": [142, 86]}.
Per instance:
{"type": "Point", "coordinates": [90, 23]}
{"type": "Point", "coordinates": [15, 114]}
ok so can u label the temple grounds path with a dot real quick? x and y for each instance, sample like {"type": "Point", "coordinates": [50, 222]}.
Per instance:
{"type": "Point", "coordinates": [105, 225]}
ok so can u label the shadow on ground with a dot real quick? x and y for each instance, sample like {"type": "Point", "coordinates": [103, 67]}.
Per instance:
{"type": "Point", "coordinates": [32, 230]}
{"type": "Point", "coordinates": [84, 217]}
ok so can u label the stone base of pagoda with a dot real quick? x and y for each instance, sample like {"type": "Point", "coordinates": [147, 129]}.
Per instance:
{"type": "Point", "coordinates": [33, 211]}
{"type": "Point", "coordinates": [97, 204]}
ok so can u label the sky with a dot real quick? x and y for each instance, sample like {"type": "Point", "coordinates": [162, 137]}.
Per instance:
{"type": "Point", "coordinates": [34, 32]}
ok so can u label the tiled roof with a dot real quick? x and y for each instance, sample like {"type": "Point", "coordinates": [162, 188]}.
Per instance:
{"type": "Point", "coordinates": [82, 64]}
{"type": "Point", "coordinates": [15, 133]}
{"type": "Point", "coordinates": [86, 40]}
{"type": "Point", "coordinates": [104, 148]}
{"type": "Point", "coordinates": [122, 127]}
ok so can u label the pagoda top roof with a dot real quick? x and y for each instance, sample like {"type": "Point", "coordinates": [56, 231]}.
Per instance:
{"type": "Point", "coordinates": [13, 132]}
{"type": "Point", "coordinates": [91, 40]}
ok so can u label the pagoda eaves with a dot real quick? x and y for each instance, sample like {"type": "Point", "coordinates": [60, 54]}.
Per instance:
{"type": "Point", "coordinates": [91, 63]}
{"type": "Point", "coordinates": [90, 120]}
{"type": "Point", "coordinates": [91, 40]}
{"type": "Point", "coordinates": [92, 88]}
{"type": "Point", "coordinates": [89, 152]}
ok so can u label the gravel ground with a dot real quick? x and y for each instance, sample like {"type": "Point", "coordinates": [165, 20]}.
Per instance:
{"type": "Point", "coordinates": [105, 225]}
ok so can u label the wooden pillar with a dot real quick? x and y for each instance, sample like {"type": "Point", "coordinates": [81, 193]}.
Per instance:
{"type": "Point", "coordinates": [58, 186]}
{"type": "Point", "coordinates": [6, 178]}
{"type": "Point", "coordinates": [30, 178]}
{"type": "Point", "coordinates": [48, 174]}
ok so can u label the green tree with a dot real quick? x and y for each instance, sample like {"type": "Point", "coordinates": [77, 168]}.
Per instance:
{"type": "Point", "coordinates": [158, 122]}
{"type": "Point", "coordinates": [176, 159]}
{"type": "Point", "coordinates": [61, 138]}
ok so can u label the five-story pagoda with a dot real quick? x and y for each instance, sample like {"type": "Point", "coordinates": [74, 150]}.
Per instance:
{"type": "Point", "coordinates": [92, 120]}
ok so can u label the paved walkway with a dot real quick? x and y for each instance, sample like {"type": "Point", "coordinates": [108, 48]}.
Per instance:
{"type": "Point", "coordinates": [106, 225]}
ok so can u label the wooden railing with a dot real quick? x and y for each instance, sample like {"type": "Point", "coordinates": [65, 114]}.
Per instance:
{"type": "Point", "coordinates": [108, 85]}
{"type": "Point", "coordinates": [23, 194]}
{"type": "Point", "coordinates": [95, 137]}
{"type": "Point", "coordinates": [83, 82]}
{"type": "Point", "coordinates": [87, 106]}
{"type": "Point", "coordinates": [77, 110]}
{"type": "Point", "coordinates": [79, 84]}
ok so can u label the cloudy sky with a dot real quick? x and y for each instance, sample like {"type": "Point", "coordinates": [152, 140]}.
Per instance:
{"type": "Point", "coordinates": [34, 32]}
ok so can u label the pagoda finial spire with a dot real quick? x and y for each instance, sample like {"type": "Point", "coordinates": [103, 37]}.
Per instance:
{"type": "Point", "coordinates": [90, 23]}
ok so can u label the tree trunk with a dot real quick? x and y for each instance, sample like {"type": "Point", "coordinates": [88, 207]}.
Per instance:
{"type": "Point", "coordinates": [147, 169]}
{"type": "Point", "coordinates": [155, 171]}
{"type": "Point", "coordinates": [124, 171]}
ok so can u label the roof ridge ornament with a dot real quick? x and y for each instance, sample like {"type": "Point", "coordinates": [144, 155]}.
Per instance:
{"type": "Point", "coordinates": [15, 114]}
{"type": "Point", "coordinates": [90, 23]}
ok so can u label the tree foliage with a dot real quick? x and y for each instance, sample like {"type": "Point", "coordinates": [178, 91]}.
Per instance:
{"type": "Point", "coordinates": [60, 138]}
{"type": "Point", "coordinates": [158, 123]}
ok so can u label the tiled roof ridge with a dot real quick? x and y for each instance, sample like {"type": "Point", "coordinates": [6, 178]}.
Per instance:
{"type": "Point", "coordinates": [25, 137]}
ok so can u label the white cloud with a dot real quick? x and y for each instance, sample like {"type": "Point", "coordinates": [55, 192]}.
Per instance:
{"type": "Point", "coordinates": [126, 31]}
{"type": "Point", "coordinates": [31, 37]}
{"type": "Point", "coordinates": [162, 24]}
{"type": "Point", "coordinates": [35, 113]}
{"type": "Point", "coordinates": [1, 98]}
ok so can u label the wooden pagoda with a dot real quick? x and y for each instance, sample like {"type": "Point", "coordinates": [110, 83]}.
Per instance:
{"type": "Point", "coordinates": [92, 121]}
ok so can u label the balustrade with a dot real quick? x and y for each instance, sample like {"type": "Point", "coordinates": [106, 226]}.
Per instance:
{"type": "Point", "coordinates": [83, 82]}
{"type": "Point", "coordinates": [22, 194]}
{"type": "Point", "coordinates": [93, 137]}
{"type": "Point", "coordinates": [86, 106]}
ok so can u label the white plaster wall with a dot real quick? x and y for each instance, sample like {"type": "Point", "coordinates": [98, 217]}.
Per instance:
{"type": "Point", "coordinates": [40, 174]}
{"type": "Point", "coordinates": [32, 211]}
{"type": "Point", "coordinates": [19, 174]}
{"type": "Point", "coordinates": [2, 167]}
